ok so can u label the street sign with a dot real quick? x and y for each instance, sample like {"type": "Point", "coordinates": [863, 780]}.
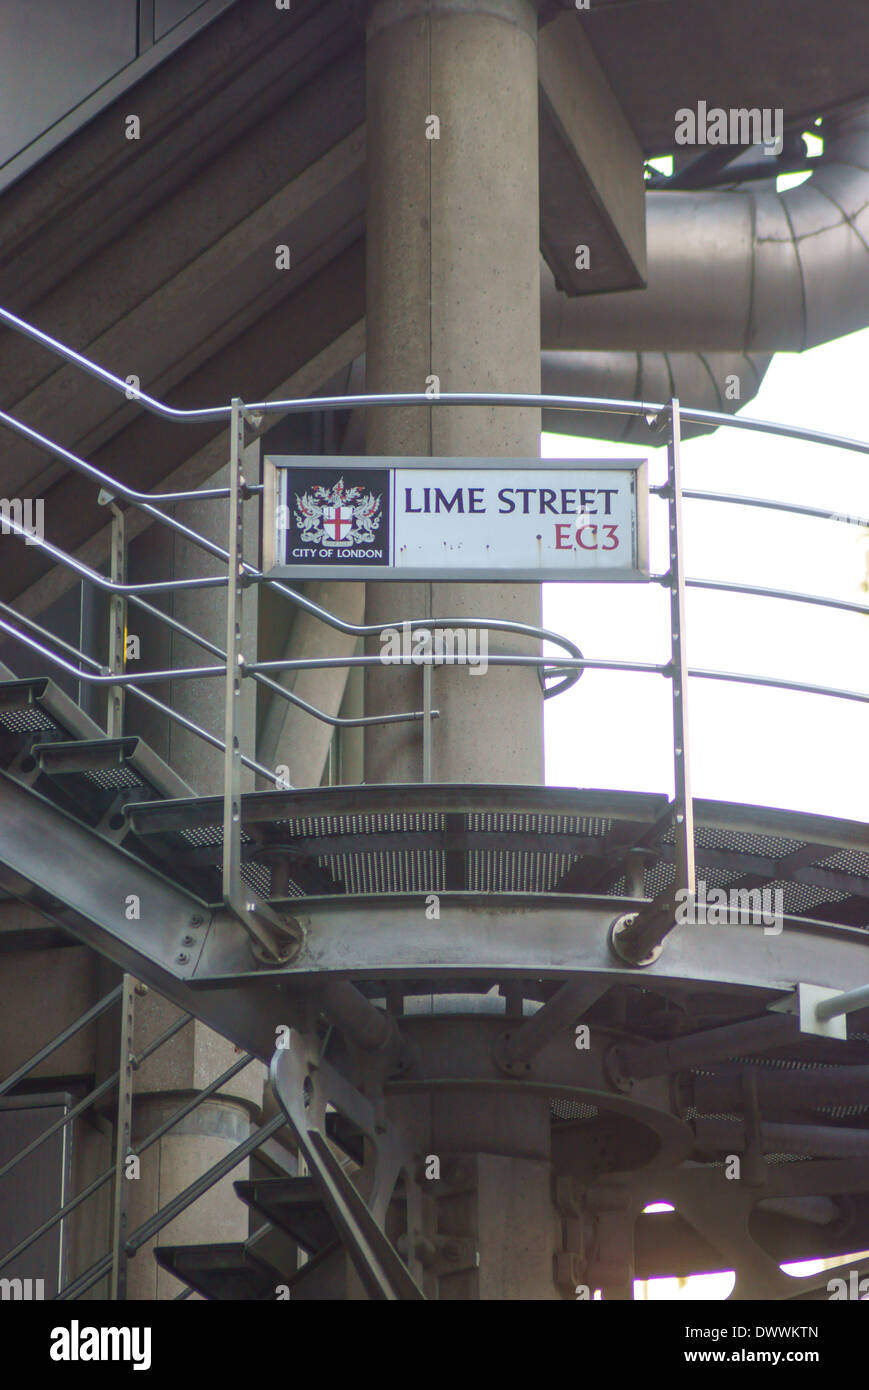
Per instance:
{"type": "Point", "coordinates": [447, 518]}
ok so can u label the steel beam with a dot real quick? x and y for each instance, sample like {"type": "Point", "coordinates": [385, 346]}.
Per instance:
{"type": "Point", "coordinates": [88, 887]}
{"type": "Point", "coordinates": [85, 884]}
{"type": "Point", "coordinates": [693, 1049]}
{"type": "Point", "coordinates": [591, 169]}
{"type": "Point", "coordinates": [123, 1141]}
{"type": "Point", "coordinates": [516, 1047]}
{"type": "Point", "coordinates": [304, 1084]}
{"type": "Point", "coordinates": [511, 936]}
{"type": "Point", "coordinates": [816, 1088]}
{"type": "Point", "coordinates": [272, 938]}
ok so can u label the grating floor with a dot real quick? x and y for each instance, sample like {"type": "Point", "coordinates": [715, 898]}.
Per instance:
{"type": "Point", "coordinates": [524, 840]}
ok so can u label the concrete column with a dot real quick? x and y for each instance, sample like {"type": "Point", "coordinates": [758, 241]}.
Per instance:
{"type": "Point", "coordinates": [161, 554]}
{"type": "Point", "coordinates": [453, 293]}
{"type": "Point", "coordinates": [288, 735]}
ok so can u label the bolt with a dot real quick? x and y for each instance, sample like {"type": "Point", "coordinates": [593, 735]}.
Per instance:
{"type": "Point", "coordinates": [187, 940]}
{"type": "Point", "coordinates": [182, 957]}
{"type": "Point", "coordinates": [196, 920]}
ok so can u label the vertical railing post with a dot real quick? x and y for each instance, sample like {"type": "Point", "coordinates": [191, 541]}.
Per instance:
{"type": "Point", "coordinates": [426, 722]}
{"type": "Point", "coordinates": [637, 937]}
{"type": "Point", "coordinates": [232, 885]}
{"type": "Point", "coordinates": [273, 938]}
{"type": "Point", "coordinates": [123, 1142]}
{"type": "Point", "coordinates": [117, 623]}
{"type": "Point", "coordinates": [683, 805]}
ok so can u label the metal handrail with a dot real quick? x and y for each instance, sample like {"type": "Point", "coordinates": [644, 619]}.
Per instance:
{"type": "Point", "coordinates": [165, 1214]}
{"type": "Point", "coordinates": [191, 1194]}
{"type": "Point", "coordinates": [798, 508]}
{"type": "Point", "coordinates": [94, 1186]}
{"type": "Point", "coordinates": [570, 669]}
{"type": "Point", "coordinates": [64, 1036]}
{"type": "Point", "coordinates": [725, 586]}
{"type": "Point", "coordinates": [93, 1096]}
{"type": "Point", "coordinates": [111, 486]}
{"type": "Point", "coordinates": [604, 405]}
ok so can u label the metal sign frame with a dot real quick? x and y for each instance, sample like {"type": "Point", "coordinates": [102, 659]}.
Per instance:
{"type": "Point", "coordinates": [278, 467]}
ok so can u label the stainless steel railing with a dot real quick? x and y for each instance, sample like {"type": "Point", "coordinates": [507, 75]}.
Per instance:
{"type": "Point", "coordinates": [270, 936]}
{"type": "Point", "coordinates": [124, 1243]}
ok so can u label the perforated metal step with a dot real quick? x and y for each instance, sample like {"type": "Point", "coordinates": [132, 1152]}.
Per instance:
{"type": "Point", "coordinates": [48, 742]}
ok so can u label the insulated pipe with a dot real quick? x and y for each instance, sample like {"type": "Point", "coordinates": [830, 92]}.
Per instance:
{"type": "Point", "coordinates": [751, 270]}
{"type": "Point", "coordinates": [705, 381]}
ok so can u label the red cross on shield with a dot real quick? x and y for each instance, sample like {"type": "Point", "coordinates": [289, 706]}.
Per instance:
{"type": "Point", "coordinates": [338, 524]}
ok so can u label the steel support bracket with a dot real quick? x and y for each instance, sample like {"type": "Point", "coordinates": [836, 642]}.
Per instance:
{"type": "Point", "coordinates": [304, 1085]}
{"type": "Point", "coordinates": [441, 1255]}
{"type": "Point", "coordinates": [627, 930]}
{"type": "Point", "coordinates": [818, 1014]}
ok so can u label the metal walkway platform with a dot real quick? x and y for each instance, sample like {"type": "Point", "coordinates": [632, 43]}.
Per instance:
{"type": "Point", "coordinates": [369, 841]}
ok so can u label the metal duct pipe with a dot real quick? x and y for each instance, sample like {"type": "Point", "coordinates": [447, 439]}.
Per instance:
{"type": "Point", "coordinates": [740, 271]}
{"type": "Point", "coordinates": [707, 381]}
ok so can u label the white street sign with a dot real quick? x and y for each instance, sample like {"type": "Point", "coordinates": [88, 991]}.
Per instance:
{"type": "Point", "coordinates": [469, 519]}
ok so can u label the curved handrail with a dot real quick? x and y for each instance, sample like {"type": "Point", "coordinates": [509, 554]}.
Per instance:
{"type": "Point", "coordinates": [568, 668]}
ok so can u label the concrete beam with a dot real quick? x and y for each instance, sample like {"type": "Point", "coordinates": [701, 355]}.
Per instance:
{"type": "Point", "coordinates": [84, 886]}
{"type": "Point", "coordinates": [307, 322]}
{"type": "Point", "coordinates": [202, 113]}
{"type": "Point", "coordinates": [345, 348]}
{"type": "Point", "coordinates": [592, 192]}
{"type": "Point", "coordinates": [164, 314]}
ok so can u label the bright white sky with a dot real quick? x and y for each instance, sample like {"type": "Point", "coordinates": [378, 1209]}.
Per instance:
{"type": "Point", "coordinates": [761, 747]}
